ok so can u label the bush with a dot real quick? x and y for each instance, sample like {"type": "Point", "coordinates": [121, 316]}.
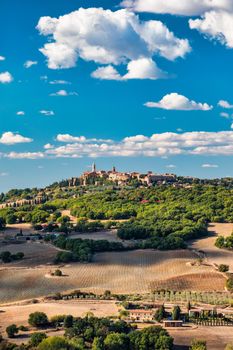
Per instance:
{"type": "Point", "coordinates": [58, 273]}
{"type": "Point", "coordinates": [54, 343]}
{"type": "Point", "coordinates": [229, 284]}
{"type": "Point", "coordinates": [68, 322]}
{"type": "Point", "coordinates": [12, 330]}
{"type": "Point", "coordinates": [198, 345]}
{"type": "Point", "coordinates": [223, 268]}
{"type": "Point", "coordinates": [37, 338]}
{"type": "Point", "coordinates": [38, 319]}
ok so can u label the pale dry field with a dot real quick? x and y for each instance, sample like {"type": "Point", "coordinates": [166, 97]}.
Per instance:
{"type": "Point", "coordinates": [215, 255]}
{"type": "Point", "coordinates": [110, 235]}
{"type": "Point", "coordinates": [120, 272]}
{"type": "Point", "coordinates": [18, 314]}
{"type": "Point", "coordinates": [36, 254]}
{"type": "Point", "coordinates": [216, 337]}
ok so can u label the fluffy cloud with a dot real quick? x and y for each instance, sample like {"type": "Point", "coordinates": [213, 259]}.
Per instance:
{"type": "Point", "coordinates": [143, 68]}
{"type": "Point", "coordinates": [25, 155]}
{"type": "Point", "coordinates": [64, 93]}
{"type": "Point", "coordinates": [216, 25]}
{"type": "Point", "coordinates": [107, 37]}
{"type": "Point", "coordinates": [207, 165]}
{"type": "Point", "coordinates": [69, 138]}
{"type": "Point", "coordinates": [158, 145]}
{"type": "Point", "coordinates": [175, 101]}
{"type": "Point", "coordinates": [178, 7]}
{"type": "Point", "coordinates": [10, 138]}
{"type": "Point", "coordinates": [48, 146]}
{"type": "Point", "coordinates": [216, 19]}
{"type": "Point", "coordinates": [20, 113]}
{"type": "Point", "coordinates": [5, 78]}
{"type": "Point", "coordinates": [47, 113]}
{"type": "Point", "coordinates": [2, 58]}
{"type": "Point", "coordinates": [225, 104]}
{"type": "Point", "coordinates": [29, 64]}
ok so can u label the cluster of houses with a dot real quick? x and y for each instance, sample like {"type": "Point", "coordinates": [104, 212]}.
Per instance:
{"type": "Point", "coordinates": [146, 314]}
{"type": "Point", "coordinates": [122, 178]}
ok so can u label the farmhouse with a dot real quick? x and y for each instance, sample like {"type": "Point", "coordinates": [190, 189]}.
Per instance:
{"type": "Point", "coordinates": [141, 315]}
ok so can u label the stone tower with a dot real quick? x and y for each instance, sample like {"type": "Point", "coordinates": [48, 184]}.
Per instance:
{"type": "Point", "coordinates": [94, 167]}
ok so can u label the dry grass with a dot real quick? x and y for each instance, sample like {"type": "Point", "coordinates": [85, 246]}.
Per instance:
{"type": "Point", "coordinates": [110, 235]}
{"type": "Point", "coordinates": [215, 255]}
{"type": "Point", "coordinates": [216, 337]}
{"type": "Point", "coordinates": [18, 314]}
{"type": "Point", "coordinates": [36, 254]}
{"type": "Point", "coordinates": [120, 272]}
{"type": "Point", "coordinates": [202, 282]}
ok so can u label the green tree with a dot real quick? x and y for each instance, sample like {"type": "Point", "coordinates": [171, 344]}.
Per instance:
{"type": "Point", "coordinates": [223, 268]}
{"type": "Point", "coordinates": [198, 345]}
{"type": "Point", "coordinates": [38, 319]}
{"type": "Point", "coordinates": [98, 344]}
{"type": "Point", "coordinates": [160, 313]}
{"type": "Point", "coordinates": [116, 341]}
{"type": "Point", "coordinates": [176, 313]}
{"type": "Point", "coordinates": [68, 321]}
{"type": "Point", "coordinates": [55, 343]}
{"type": "Point", "coordinates": [6, 257]}
{"type": "Point", "coordinates": [12, 330]}
{"type": "Point", "coordinates": [37, 338]}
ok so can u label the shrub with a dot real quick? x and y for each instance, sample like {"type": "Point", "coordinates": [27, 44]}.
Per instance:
{"type": "Point", "coordinates": [68, 321]}
{"type": "Point", "coordinates": [229, 284]}
{"type": "Point", "coordinates": [38, 319]}
{"type": "Point", "coordinates": [12, 330]}
{"type": "Point", "coordinates": [198, 345]}
{"type": "Point", "coordinates": [58, 273]}
{"type": "Point", "coordinates": [223, 268]}
{"type": "Point", "coordinates": [37, 338]}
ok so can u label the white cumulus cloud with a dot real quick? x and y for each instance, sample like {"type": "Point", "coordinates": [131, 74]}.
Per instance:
{"type": "Point", "coordinates": [5, 78]}
{"type": "Point", "coordinates": [178, 7]}
{"type": "Point", "coordinates": [174, 101]}
{"type": "Point", "coordinates": [143, 68]}
{"type": "Point", "coordinates": [2, 58]}
{"type": "Point", "coordinates": [107, 37]}
{"type": "Point", "coordinates": [225, 104]}
{"type": "Point", "coordinates": [29, 64]}
{"type": "Point", "coordinates": [10, 138]}
{"type": "Point", "coordinates": [216, 25]}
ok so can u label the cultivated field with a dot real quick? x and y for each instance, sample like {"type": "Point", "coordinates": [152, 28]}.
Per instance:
{"type": "Point", "coordinates": [215, 255]}
{"type": "Point", "coordinates": [36, 254]}
{"type": "Point", "coordinates": [120, 272]}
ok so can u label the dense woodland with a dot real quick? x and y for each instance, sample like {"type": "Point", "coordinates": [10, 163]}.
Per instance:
{"type": "Point", "coordinates": [161, 217]}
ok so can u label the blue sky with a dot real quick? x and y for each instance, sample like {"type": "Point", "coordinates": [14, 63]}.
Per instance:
{"type": "Point", "coordinates": [103, 106]}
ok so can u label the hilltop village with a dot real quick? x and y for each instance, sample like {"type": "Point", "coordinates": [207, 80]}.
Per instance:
{"type": "Point", "coordinates": [97, 177]}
